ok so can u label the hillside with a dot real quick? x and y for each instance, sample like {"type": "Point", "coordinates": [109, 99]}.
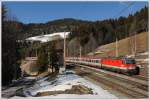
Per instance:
{"type": "Point", "coordinates": [59, 25]}
{"type": "Point", "coordinates": [83, 28]}
{"type": "Point", "coordinates": [124, 46]}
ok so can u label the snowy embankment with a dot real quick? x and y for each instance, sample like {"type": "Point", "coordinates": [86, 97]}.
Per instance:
{"type": "Point", "coordinates": [66, 81]}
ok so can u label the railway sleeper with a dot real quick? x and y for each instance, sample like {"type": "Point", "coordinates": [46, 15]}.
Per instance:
{"type": "Point", "coordinates": [144, 87]}
{"type": "Point", "coordinates": [143, 82]}
{"type": "Point", "coordinates": [122, 84]}
{"type": "Point", "coordinates": [127, 92]}
{"type": "Point", "coordinates": [130, 93]}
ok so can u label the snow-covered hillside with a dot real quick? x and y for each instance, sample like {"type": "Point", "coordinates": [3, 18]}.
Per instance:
{"type": "Point", "coordinates": [49, 37]}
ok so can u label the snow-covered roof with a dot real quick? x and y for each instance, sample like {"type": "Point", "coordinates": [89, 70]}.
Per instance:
{"type": "Point", "coordinates": [49, 37]}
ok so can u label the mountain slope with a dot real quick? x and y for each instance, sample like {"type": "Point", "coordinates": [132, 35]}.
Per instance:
{"type": "Point", "coordinates": [125, 46]}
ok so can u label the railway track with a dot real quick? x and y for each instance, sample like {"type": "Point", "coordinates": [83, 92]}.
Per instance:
{"type": "Point", "coordinates": [132, 87]}
{"type": "Point", "coordinates": [141, 77]}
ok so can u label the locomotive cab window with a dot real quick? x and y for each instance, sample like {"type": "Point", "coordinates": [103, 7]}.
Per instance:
{"type": "Point", "coordinates": [129, 61]}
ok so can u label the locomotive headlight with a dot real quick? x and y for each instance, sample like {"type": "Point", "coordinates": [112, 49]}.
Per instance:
{"type": "Point", "coordinates": [131, 67]}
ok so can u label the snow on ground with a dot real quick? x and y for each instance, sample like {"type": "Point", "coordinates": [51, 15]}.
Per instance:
{"type": "Point", "coordinates": [30, 77]}
{"type": "Point", "coordinates": [142, 59]}
{"type": "Point", "coordinates": [63, 82]}
{"type": "Point", "coordinates": [144, 53]}
{"type": "Point", "coordinates": [49, 37]}
{"type": "Point", "coordinates": [70, 96]}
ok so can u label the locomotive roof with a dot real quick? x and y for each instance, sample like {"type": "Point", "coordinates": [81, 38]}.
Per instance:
{"type": "Point", "coordinates": [117, 58]}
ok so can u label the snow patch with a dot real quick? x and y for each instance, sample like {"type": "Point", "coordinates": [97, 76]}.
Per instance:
{"type": "Point", "coordinates": [49, 37]}
{"type": "Point", "coordinates": [66, 81]}
{"type": "Point", "coordinates": [145, 53]}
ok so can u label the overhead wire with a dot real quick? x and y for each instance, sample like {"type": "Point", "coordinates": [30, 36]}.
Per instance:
{"type": "Point", "coordinates": [123, 10]}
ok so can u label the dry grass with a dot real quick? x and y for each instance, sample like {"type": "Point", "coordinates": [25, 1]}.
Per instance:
{"type": "Point", "coordinates": [125, 46]}
{"type": "Point", "coordinates": [76, 89]}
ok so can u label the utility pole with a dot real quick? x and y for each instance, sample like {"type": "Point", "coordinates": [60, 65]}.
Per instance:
{"type": "Point", "coordinates": [49, 61]}
{"type": "Point", "coordinates": [80, 51]}
{"type": "Point", "coordinates": [67, 53]}
{"type": "Point", "coordinates": [129, 5]}
{"type": "Point", "coordinates": [64, 49]}
{"type": "Point", "coordinates": [135, 38]}
{"type": "Point", "coordinates": [36, 49]}
{"type": "Point", "coordinates": [134, 43]}
{"type": "Point", "coordinates": [116, 46]}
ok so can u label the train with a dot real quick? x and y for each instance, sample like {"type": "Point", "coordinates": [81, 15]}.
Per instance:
{"type": "Point", "coordinates": [120, 65]}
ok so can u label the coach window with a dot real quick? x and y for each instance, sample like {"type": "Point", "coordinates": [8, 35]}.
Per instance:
{"type": "Point", "coordinates": [96, 61]}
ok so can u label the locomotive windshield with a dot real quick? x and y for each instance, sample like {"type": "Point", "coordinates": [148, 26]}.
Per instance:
{"type": "Point", "coordinates": [129, 61]}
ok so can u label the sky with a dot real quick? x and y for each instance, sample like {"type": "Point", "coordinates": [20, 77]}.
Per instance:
{"type": "Point", "coordinates": [42, 12]}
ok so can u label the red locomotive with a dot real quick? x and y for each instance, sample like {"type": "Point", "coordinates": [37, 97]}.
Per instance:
{"type": "Point", "coordinates": [123, 65]}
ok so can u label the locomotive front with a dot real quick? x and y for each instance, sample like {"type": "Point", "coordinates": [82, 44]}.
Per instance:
{"type": "Point", "coordinates": [131, 66]}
